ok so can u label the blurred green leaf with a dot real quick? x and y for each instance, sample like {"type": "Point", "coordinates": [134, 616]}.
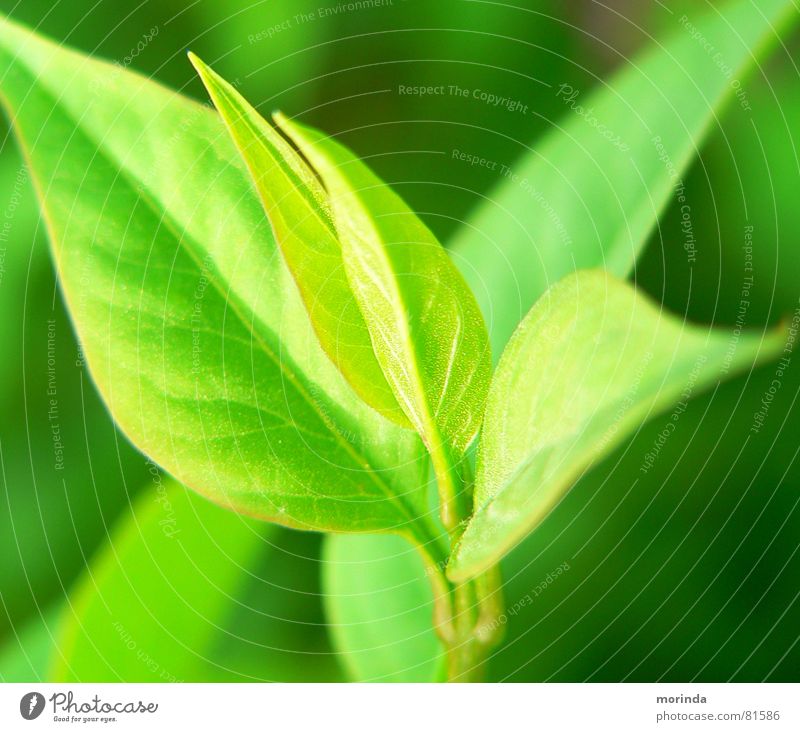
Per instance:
{"type": "Point", "coordinates": [202, 351]}
{"type": "Point", "coordinates": [742, 212]}
{"type": "Point", "coordinates": [63, 466]}
{"type": "Point", "coordinates": [186, 591]}
{"type": "Point", "coordinates": [379, 605]}
{"type": "Point", "coordinates": [26, 654]}
{"type": "Point", "coordinates": [17, 266]}
{"type": "Point", "coordinates": [591, 192]}
{"type": "Point", "coordinates": [298, 211]}
{"type": "Point", "coordinates": [590, 362]}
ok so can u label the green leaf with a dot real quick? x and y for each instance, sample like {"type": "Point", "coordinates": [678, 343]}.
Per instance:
{"type": "Point", "coordinates": [186, 591]}
{"type": "Point", "coordinates": [590, 362]}
{"type": "Point", "coordinates": [426, 328]}
{"type": "Point", "coordinates": [298, 211]}
{"type": "Point", "coordinates": [580, 200]}
{"type": "Point", "coordinates": [192, 328]}
{"type": "Point", "coordinates": [379, 606]}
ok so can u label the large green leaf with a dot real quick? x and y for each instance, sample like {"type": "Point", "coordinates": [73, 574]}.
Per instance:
{"type": "Point", "coordinates": [591, 361]}
{"type": "Point", "coordinates": [187, 591]}
{"type": "Point", "coordinates": [298, 211]}
{"type": "Point", "coordinates": [581, 200]}
{"type": "Point", "coordinates": [380, 613]}
{"type": "Point", "coordinates": [193, 329]}
{"type": "Point", "coordinates": [426, 328]}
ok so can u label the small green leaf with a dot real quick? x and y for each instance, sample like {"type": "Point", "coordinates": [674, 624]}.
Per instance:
{"type": "Point", "coordinates": [591, 361]}
{"type": "Point", "coordinates": [298, 211]}
{"type": "Point", "coordinates": [191, 326]}
{"type": "Point", "coordinates": [578, 199]}
{"type": "Point", "coordinates": [426, 328]}
{"type": "Point", "coordinates": [185, 591]}
{"type": "Point", "coordinates": [379, 604]}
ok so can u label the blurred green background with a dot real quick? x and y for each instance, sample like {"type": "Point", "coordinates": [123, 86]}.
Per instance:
{"type": "Point", "coordinates": [690, 571]}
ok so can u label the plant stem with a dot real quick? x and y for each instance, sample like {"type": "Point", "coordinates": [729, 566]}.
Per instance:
{"type": "Point", "coordinates": [455, 494]}
{"type": "Point", "coordinates": [467, 615]}
{"type": "Point", "coordinates": [478, 607]}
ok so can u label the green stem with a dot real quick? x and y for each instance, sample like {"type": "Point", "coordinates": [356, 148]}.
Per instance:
{"type": "Point", "coordinates": [466, 616]}
{"type": "Point", "coordinates": [475, 626]}
{"type": "Point", "coordinates": [455, 495]}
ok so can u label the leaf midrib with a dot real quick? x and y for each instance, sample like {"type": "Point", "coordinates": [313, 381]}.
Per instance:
{"type": "Point", "coordinates": [431, 427]}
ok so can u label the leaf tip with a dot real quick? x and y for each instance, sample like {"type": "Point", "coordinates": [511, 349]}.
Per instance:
{"type": "Point", "coordinates": [281, 121]}
{"type": "Point", "coordinates": [203, 70]}
{"type": "Point", "coordinates": [194, 59]}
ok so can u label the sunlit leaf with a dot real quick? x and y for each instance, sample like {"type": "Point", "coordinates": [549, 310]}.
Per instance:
{"type": "Point", "coordinates": [299, 214]}
{"type": "Point", "coordinates": [591, 362]}
{"type": "Point", "coordinates": [192, 328]}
